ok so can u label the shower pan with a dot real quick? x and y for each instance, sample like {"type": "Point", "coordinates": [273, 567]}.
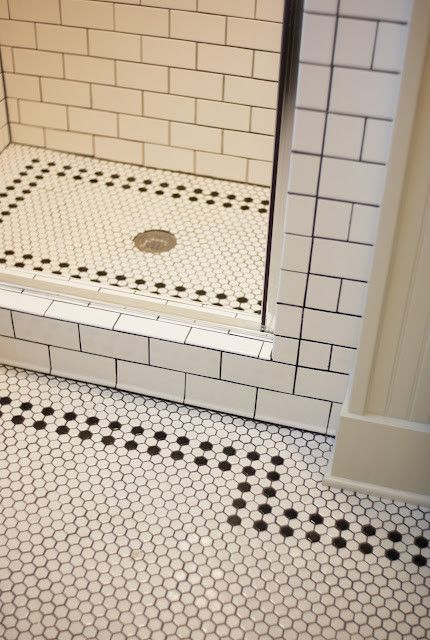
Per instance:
{"type": "Point", "coordinates": [91, 220]}
{"type": "Point", "coordinates": [140, 164]}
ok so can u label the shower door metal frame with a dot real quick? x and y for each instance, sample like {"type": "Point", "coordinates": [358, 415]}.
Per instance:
{"type": "Point", "coordinates": [287, 86]}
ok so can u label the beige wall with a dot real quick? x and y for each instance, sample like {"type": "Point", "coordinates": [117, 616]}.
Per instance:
{"type": "Point", "coordinates": [383, 443]}
{"type": "Point", "coordinates": [400, 382]}
{"type": "Point", "coordinates": [187, 85]}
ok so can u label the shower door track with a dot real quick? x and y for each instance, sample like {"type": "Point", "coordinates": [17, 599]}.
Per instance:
{"type": "Point", "coordinates": [287, 86]}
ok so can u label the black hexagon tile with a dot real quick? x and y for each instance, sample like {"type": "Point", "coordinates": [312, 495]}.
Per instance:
{"type": "Point", "coordinates": [122, 516]}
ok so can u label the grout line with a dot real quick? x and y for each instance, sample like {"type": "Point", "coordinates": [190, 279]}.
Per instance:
{"type": "Point", "coordinates": [350, 223]}
{"type": "Point", "coordinates": [319, 237]}
{"type": "Point", "coordinates": [313, 195]}
{"type": "Point", "coordinates": [343, 113]}
{"type": "Point", "coordinates": [48, 307]}
{"type": "Point", "coordinates": [13, 324]}
{"type": "Point", "coordinates": [330, 357]}
{"type": "Point", "coordinates": [338, 296]}
{"type": "Point", "coordinates": [329, 417]}
{"type": "Point", "coordinates": [354, 17]}
{"type": "Point", "coordinates": [320, 310]}
{"type": "Point", "coordinates": [374, 45]}
{"type": "Point", "coordinates": [87, 34]}
{"type": "Point", "coordinates": [114, 8]}
{"type": "Point", "coordinates": [363, 139]}
{"type": "Point", "coordinates": [350, 68]}
{"type": "Point", "coordinates": [323, 156]}
{"type": "Point", "coordinates": [255, 402]}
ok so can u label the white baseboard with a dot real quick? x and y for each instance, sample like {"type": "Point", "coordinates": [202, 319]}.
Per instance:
{"type": "Point", "coordinates": [382, 456]}
{"type": "Point", "coordinates": [375, 490]}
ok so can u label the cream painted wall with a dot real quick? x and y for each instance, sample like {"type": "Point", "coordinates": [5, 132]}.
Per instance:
{"type": "Point", "coordinates": [400, 382]}
{"type": "Point", "coordinates": [383, 444]}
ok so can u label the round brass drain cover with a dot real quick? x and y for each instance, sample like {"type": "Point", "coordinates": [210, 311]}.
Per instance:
{"type": "Point", "coordinates": [154, 241]}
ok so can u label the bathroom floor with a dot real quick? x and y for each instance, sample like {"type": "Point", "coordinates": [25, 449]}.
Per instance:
{"type": "Point", "coordinates": [122, 516]}
{"type": "Point", "coordinates": [78, 217]}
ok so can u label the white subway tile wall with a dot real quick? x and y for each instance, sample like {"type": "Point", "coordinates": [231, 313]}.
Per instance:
{"type": "Point", "coordinates": [167, 64]}
{"type": "Point", "coordinates": [346, 102]}
{"type": "Point", "coordinates": [352, 55]}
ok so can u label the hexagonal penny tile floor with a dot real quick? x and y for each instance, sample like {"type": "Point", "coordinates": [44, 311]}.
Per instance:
{"type": "Point", "coordinates": [122, 516]}
{"type": "Point", "coordinates": [86, 219]}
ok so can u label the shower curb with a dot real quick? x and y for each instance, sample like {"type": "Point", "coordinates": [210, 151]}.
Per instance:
{"type": "Point", "coordinates": [215, 367]}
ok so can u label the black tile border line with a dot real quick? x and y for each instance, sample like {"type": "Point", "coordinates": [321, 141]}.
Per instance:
{"type": "Point", "coordinates": [243, 486]}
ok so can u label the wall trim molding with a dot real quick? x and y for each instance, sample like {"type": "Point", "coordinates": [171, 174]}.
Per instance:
{"type": "Point", "coordinates": [392, 454]}
{"type": "Point", "coordinates": [375, 490]}
{"type": "Point", "coordinates": [419, 28]}
{"type": "Point", "coordinates": [374, 453]}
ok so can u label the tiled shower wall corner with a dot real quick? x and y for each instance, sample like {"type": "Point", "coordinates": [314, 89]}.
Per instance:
{"type": "Point", "coordinates": [351, 58]}
{"type": "Point", "coordinates": [187, 85]}
{"type": "Point", "coordinates": [4, 125]}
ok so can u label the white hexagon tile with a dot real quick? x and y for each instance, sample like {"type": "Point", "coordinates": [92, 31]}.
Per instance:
{"type": "Point", "coordinates": [77, 217]}
{"type": "Point", "coordinates": [124, 517]}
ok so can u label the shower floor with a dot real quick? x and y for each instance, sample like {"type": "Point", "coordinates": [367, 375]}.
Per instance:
{"type": "Point", "coordinates": [122, 516]}
{"type": "Point", "coordinates": [76, 217]}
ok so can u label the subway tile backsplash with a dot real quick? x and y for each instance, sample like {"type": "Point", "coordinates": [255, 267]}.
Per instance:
{"type": "Point", "coordinates": [79, 70]}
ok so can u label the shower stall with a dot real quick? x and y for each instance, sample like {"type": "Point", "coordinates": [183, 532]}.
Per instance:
{"type": "Point", "coordinates": [190, 193]}
{"type": "Point", "coordinates": [141, 150]}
